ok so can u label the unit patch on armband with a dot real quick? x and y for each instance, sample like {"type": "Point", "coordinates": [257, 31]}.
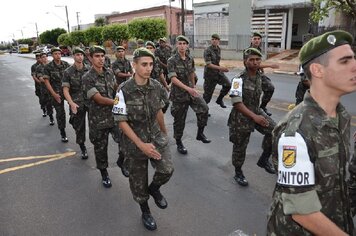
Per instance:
{"type": "Point", "coordinates": [119, 107]}
{"type": "Point", "coordinates": [294, 165]}
{"type": "Point", "coordinates": [236, 88]}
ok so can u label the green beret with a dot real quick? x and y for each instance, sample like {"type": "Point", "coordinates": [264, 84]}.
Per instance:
{"type": "Point", "coordinates": [140, 41]}
{"type": "Point", "coordinates": [142, 52]}
{"type": "Point", "coordinates": [120, 48]}
{"type": "Point", "coordinates": [163, 39]}
{"type": "Point", "coordinates": [150, 43]}
{"type": "Point", "coordinates": [96, 49]}
{"type": "Point", "coordinates": [322, 44]}
{"type": "Point", "coordinates": [251, 51]}
{"type": "Point", "coordinates": [215, 36]}
{"type": "Point", "coordinates": [256, 34]}
{"type": "Point", "coordinates": [42, 53]}
{"type": "Point", "coordinates": [78, 50]}
{"type": "Point", "coordinates": [182, 38]}
{"type": "Point", "coordinates": [55, 49]}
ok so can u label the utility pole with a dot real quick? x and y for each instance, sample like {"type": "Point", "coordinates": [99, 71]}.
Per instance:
{"type": "Point", "coordinates": [182, 13]}
{"type": "Point", "coordinates": [36, 31]}
{"type": "Point", "coordinates": [78, 28]}
{"type": "Point", "coordinates": [67, 18]}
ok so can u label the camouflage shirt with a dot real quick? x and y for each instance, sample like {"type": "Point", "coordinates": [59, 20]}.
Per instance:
{"type": "Point", "coordinates": [54, 73]}
{"type": "Point", "coordinates": [310, 151]}
{"type": "Point", "coordinates": [156, 70]}
{"type": "Point", "coordinates": [33, 68]}
{"type": "Point", "coordinates": [212, 55]}
{"type": "Point", "coordinates": [163, 54]}
{"type": "Point", "coordinates": [250, 96]}
{"type": "Point", "coordinates": [73, 79]}
{"type": "Point", "coordinates": [86, 61]}
{"type": "Point", "coordinates": [182, 69]}
{"type": "Point", "coordinates": [107, 62]}
{"type": "Point", "coordinates": [100, 117]}
{"type": "Point", "coordinates": [138, 106]}
{"type": "Point", "coordinates": [121, 66]}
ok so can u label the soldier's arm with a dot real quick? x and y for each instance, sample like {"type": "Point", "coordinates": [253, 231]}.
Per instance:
{"type": "Point", "coordinates": [161, 123]}
{"type": "Point", "coordinates": [104, 101]}
{"type": "Point", "coordinates": [269, 65]}
{"type": "Point", "coordinates": [259, 119]}
{"type": "Point", "coordinates": [173, 76]}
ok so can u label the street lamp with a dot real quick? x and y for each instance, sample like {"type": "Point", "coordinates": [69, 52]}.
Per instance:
{"type": "Point", "coordinates": [66, 16]}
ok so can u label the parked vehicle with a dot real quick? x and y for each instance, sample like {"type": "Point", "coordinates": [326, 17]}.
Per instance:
{"type": "Point", "coordinates": [24, 48]}
{"type": "Point", "coordinates": [65, 51]}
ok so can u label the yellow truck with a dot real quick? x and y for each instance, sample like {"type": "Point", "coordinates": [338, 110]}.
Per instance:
{"type": "Point", "coordinates": [24, 48]}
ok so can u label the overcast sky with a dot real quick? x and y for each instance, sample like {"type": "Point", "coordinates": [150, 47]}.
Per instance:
{"type": "Point", "coordinates": [21, 15]}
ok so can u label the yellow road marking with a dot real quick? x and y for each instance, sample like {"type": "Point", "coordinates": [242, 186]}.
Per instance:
{"type": "Point", "coordinates": [50, 158]}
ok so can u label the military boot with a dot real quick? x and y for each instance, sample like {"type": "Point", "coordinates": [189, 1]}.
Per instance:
{"type": "Point", "coordinates": [240, 178]}
{"type": "Point", "coordinates": [51, 120]}
{"type": "Point", "coordinates": [264, 163]}
{"type": "Point", "coordinates": [84, 151]}
{"type": "Point", "coordinates": [105, 178]}
{"type": "Point", "coordinates": [220, 101]}
{"type": "Point", "coordinates": [201, 136]}
{"type": "Point", "coordinates": [180, 147]}
{"type": "Point", "coordinates": [64, 136]}
{"type": "Point", "coordinates": [120, 163]}
{"type": "Point", "coordinates": [160, 201]}
{"type": "Point", "coordinates": [44, 113]}
{"type": "Point", "coordinates": [147, 219]}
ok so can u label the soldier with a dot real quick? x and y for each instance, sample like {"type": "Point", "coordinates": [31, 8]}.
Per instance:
{"type": "Point", "coordinates": [87, 58]}
{"type": "Point", "coordinates": [311, 145]}
{"type": "Point", "coordinates": [140, 43]}
{"type": "Point", "coordinates": [45, 96]}
{"type": "Point", "coordinates": [303, 86]}
{"type": "Point", "coordinates": [246, 116]}
{"type": "Point", "coordinates": [73, 92]}
{"type": "Point", "coordinates": [99, 87]}
{"type": "Point", "coordinates": [214, 73]}
{"type": "Point", "coordinates": [267, 86]}
{"type": "Point", "coordinates": [53, 75]}
{"type": "Point", "coordinates": [352, 179]}
{"type": "Point", "coordinates": [121, 67]}
{"type": "Point", "coordinates": [163, 53]}
{"type": "Point", "coordinates": [38, 83]}
{"type": "Point", "coordinates": [138, 110]}
{"type": "Point", "coordinates": [181, 72]}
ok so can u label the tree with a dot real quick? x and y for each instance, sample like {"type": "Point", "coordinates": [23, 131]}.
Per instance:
{"type": "Point", "coordinates": [93, 35]}
{"type": "Point", "coordinates": [77, 37]}
{"type": "Point", "coordinates": [117, 33]}
{"type": "Point", "coordinates": [323, 7]}
{"type": "Point", "coordinates": [100, 21]}
{"type": "Point", "coordinates": [25, 41]}
{"type": "Point", "coordinates": [148, 29]}
{"type": "Point", "coordinates": [65, 39]}
{"type": "Point", "coordinates": [51, 36]}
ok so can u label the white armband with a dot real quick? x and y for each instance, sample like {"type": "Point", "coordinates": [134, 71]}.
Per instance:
{"type": "Point", "coordinates": [236, 87]}
{"type": "Point", "coordinates": [119, 104]}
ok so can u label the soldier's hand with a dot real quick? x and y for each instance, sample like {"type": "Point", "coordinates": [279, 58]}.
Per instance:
{"type": "Point", "coordinates": [261, 121]}
{"type": "Point", "coordinates": [74, 107]}
{"type": "Point", "coordinates": [193, 92]}
{"type": "Point", "coordinates": [57, 97]}
{"type": "Point", "coordinates": [150, 150]}
{"type": "Point", "coordinates": [224, 69]}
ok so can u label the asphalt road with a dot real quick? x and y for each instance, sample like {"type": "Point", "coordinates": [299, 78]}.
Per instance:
{"type": "Point", "coordinates": [53, 192]}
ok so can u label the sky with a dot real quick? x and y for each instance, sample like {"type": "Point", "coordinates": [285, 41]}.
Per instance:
{"type": "Point", "coordinates": [19, 18]}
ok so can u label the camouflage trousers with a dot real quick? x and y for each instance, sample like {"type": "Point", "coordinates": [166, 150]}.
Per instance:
{"type": "Point", "coordinates": [78, 123]}
{"type": "Point", "coordinates": [268, 90]}
{"type": "Point", "coordinates": [38, 93]}
{"type": "Point", "coordinates": [100, 139]}
{"type": "Point", "coordinates": [241, 139]}
{"type": "Point", "coordinates": [139, 174]}
{"type": "Point", "coordinates": [179, 112]}
{"type": "Point", "coordinates": [210, 84]}
{"type": "Point", "coordinates": [46, 100]}
{"type": "Point", "coordinates": [60, 113]}
{"type": "Point", "coordinates": [118, 137]}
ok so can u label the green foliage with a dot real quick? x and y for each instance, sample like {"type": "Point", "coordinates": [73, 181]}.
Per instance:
{"type": "Point", "coordinates": [100, 21]}
{"type": "Point", "coordinates": [25, 41]}
{"type": "Point", "coordinates": [65, 39]}
{"type": "Point", "coordinates": [117, 33]}
{"type": "Point", "coordinates": [148, 29]}
{"type": "Point", "coordinates": [93, 35]}
{"type": "Point", "coordinates": [323, 7]}
{"type": "Point", "coordinates": [51, 36]}
{"type": "Point", "coordinates": [77, 37]}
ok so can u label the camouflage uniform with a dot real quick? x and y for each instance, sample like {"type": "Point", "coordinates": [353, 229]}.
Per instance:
{"type": "Point", "coordinates": [181, 99]}
{"type": "Point", "coordinates": [37, 85]}
{"type": "Point", "coordinates": [123, 66]}
{"type": "Point", "coordinates": [54, 73]}
{"type": "Point", "coordinates": [163, 55]}
{"type": "Point", "coordinates": [45, 96]}
{"type": "Point", "coordinates": [300, 92]}
{"type": "Point", "coordinates": [72, 79]}
{"type": "Point", "coordinates": [107, 62]}
{"type": "Point", "coordinates": [212, 77]}
{"type": "Point", "coordinates": [352, 180]}
{"type": "Point", "coordinates": [101, 121]}
{"type": "Point", "coordinates": [155, 74]}
{"type": "Point", "coordinates": [142, 105]}
{"type": "Point", "coordinates": [86, 61]}
{"type": "Point", "coordinates": [240, 126]}
{"type": "Point", "coordinates": [326, 153]}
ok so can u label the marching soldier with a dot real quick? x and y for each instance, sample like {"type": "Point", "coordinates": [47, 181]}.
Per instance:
{"type": "Point", "coordinates": [38, 83]}
{"type": "Point", "coordinates": [121, 67]}
{"type": "Point", "coordinates": [163, 53]}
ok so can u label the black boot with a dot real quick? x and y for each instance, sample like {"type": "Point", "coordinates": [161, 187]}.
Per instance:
{"type": "Point", "coordinates": [201, 136]}
{"type": "Point", "coordinates": [264, 163]}
{"type": "Point", "coordinates": [44, 114]}
{"type": "Point", "coordinates": [180, 147]}
{"type": "Point", "coordinates": [147, 219]}
{"type": "Point", "coordinates": [84, 151]}
{"type": "Point", "coordinates": [120, 163]}
{"type": "Point", "coordinates": [64, 136]}
{"type": "Point", "coordinates": [240, 178]}
{"type": "Point", "coordinates": [105, 178]}
{"type": "Point", "coordinates": [220, 101]}
{"type": "Point", "coordinates": [51, 120]}
{"type": "Point", "coordinates": [160, 201]}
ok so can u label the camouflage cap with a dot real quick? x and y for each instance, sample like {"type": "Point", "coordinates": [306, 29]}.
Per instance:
{"type": "Point", "coordinates": [42, 53]}
{"type": "Point", "coordinates": [140, 41]}
{"type": "Point", "coordinates": [96, 49]}
{"type": "Point", "coordinates": [37, 54]}
{"type": "Point", "coordinates": [55, 49]}
{"type": "Point", "coordinates": [182, 38]}
{"type": "Point", "coordinates": [215, 36]}
{"type": "Point", "coordinates": [256, 34]}
{"type": "Point", "coordinates": [78, 50]}
{"type": "Point", "coordinates": [163, 39]}
{"type": "Point", "coordinates": [142, 52]}
{"type": "Point", "coordinates": [120, 48]}
{"type": "Point", "coordinates": [251, 51]}
{"type": "Point", "coordinates": [150, 43]}
{"type": "Point", "coordinates": [322, 44]}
